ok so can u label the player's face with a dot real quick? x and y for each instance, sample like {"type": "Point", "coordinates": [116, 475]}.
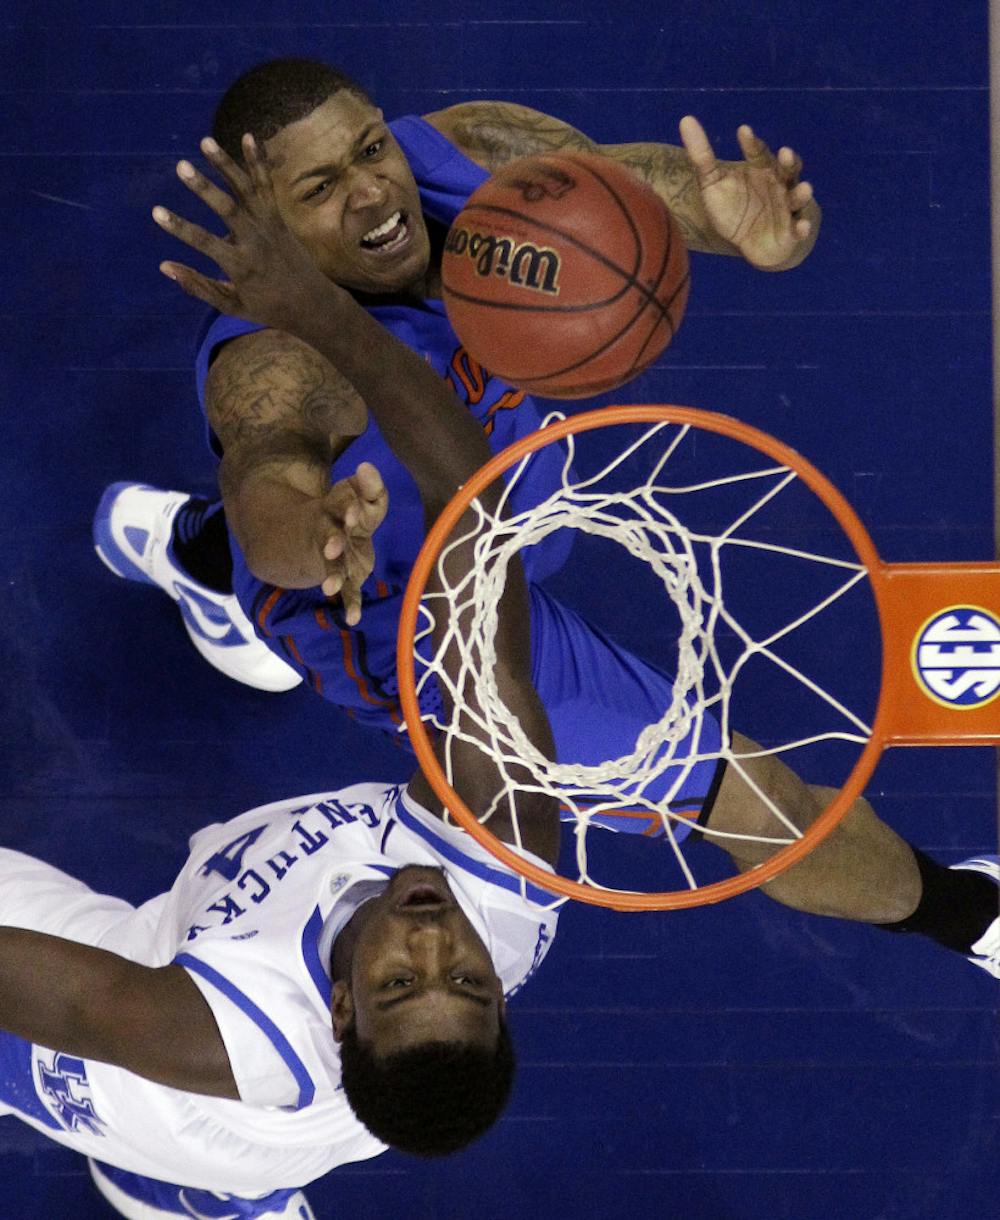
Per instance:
{"type": "Point", "coordinates": [345, 188]}
{"type": "Point", "coordinates": [419, 971]}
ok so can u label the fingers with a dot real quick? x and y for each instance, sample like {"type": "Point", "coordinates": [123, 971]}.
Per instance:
{"type": "Point", "coordinates": [258, 168]}
{"type": "Point", "coordinates": [220, 294]}
{"type": "Point", "coordinates": [698, 148]}
{"type": "Point", "coordinates": [799, 196]}
{"type": "Point", "coordinates": [781, 219]}
{"type": "Point", "coordinates": [192, 235]}
{"type": "Point", "coordinates": [789, 166]}
{"type": "Point", "coordinates": [223, 205]}
{"type": "Point", "coordinates": [354, 509]}
{"type": "Point", "coordinates": [755, 151]}
{"type": "Point", "coordinates": [348, 574]}
{"type": "Point", "coordinates": [373, 500]}
{"type": "Point", "coordinates": [234, 175]}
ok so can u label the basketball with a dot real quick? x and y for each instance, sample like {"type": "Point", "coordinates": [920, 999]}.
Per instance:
{"type": "Point", "coordinates": [565, 275]}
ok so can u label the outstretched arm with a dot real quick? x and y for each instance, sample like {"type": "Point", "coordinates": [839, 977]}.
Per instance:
{"type": "Point", "coordinates": [97, 1005]}
{"type": "Point", "coordinates": [282, 414]}
{"type": "Point", "coordinates": [274, 281]}
{"type": "Point", "coordinates": [755, 208]}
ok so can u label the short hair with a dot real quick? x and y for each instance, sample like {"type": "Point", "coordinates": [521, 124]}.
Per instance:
{"type": "Point", "coordinates": [273, 94]}
{"type": "Point", "coordinates": [428, 1100]}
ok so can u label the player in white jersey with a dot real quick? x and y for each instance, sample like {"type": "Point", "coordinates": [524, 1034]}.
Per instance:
{"type": "Point", "coordinates": [256, 919]}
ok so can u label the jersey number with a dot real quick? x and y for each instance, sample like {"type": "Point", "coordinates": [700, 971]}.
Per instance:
{"type": "Point", "coordinates": [228, 862]}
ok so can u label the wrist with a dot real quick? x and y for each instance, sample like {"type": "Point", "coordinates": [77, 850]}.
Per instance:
{"type": "Point", "coordinates": [318, 313]}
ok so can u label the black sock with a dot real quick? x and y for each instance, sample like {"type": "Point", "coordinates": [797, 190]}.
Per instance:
{"type": "Point", "coordinates": [200, 544]}
{"type": "Point", "coordinates": [956, 905]}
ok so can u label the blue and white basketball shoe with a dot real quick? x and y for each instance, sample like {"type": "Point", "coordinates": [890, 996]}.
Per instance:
{"type": "Point", "coordinates": [986, 950]}
{"type": "Point", "coordinates": [132, 532]}
{"type": "Point", "coordinates": [139, 1198]}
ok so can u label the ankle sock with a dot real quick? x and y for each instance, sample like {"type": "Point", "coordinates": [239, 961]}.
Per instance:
{"type": "Point", "coordinates": [955, 908]}
{"type": "Point", "coordinates": [200, 544]}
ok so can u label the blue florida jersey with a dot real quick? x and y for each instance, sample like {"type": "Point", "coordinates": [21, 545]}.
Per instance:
{"type": "Point", "coordinates": [598, 697]}
{"type": "Point", "coordinates": [364, 679]}
{"type": "Point", "coordinates": [252, 918]}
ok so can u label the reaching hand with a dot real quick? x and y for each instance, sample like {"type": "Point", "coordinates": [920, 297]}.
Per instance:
{"type": "Point", "coordinates": [273, 280]}
{"type": "Point", "coordinates": [347, 516]}
{"type": "Point", "coordinates": [757, 205]}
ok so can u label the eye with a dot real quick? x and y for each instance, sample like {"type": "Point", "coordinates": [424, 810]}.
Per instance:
{"type": "Point", "coordinates": [466, 980]}
{"type": "Point", "coordinates": [374, 149]}
{"type": "Point", "coordinates": [317, 190]}
{"type": "Point", "coordinates": [399, 981]}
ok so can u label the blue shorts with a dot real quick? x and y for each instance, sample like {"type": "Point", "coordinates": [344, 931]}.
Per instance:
{"type": "Point", "coordinates": [598, 696]}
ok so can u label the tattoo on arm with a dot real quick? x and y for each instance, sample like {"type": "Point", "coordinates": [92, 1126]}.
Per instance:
{"type": "Point", "coordinates": [493, 133]}
{"type": "Point", "coordinates": [274, 401]}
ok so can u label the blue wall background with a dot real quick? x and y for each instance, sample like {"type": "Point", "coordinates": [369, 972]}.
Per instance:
{"type": "Point", "coordinates": [731, 1063]}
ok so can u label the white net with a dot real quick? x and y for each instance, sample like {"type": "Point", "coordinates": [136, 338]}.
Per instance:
{"type": "Point", "coordinates": [715, 646]}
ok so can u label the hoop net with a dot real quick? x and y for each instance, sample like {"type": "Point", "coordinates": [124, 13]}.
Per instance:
{"type": "Point", "coordinates": [715, 647]}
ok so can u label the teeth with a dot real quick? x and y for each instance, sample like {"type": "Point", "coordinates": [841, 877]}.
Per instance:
{"type": "Point", "coordinates": [384, 228]}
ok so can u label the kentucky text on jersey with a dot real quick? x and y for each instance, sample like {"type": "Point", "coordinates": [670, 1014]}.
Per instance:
{"type": "Point", "coordinates": [253, 884]}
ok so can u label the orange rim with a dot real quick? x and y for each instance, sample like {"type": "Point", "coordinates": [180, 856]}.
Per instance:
{"type": "Point", "coordinates": [587, 421]}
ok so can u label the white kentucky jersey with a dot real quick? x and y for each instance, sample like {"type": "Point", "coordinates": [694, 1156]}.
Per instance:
{"type": "Point", "coordinates": [252, 918]}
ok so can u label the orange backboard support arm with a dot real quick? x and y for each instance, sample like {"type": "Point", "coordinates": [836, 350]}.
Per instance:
{"type": "Point", "coordinates": [911, 595]}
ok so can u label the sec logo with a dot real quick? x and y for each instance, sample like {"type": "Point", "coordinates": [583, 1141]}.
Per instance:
{"type": "Point", "coordinates": [956, 657]}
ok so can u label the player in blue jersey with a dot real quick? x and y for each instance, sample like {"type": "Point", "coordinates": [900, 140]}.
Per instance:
{"type": "Point", "coordinates": [372, 202]}
{"type": "Point", "coordinates": [368, 202]}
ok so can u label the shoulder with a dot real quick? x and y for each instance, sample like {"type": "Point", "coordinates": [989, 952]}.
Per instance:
{"type": "Point", "coordinates": [268, 375]}
{"type": "Point", "coordinates": [493, 133]}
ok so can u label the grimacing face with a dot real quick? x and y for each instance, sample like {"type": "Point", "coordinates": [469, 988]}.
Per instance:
{"type": "Point", "coordinates": [345, 189]}
{"type": "Point", "coordinates": [419, 971]}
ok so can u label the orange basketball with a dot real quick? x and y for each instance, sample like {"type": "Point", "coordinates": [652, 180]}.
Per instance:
{"type": "Point", "coordinates": [565, 275]}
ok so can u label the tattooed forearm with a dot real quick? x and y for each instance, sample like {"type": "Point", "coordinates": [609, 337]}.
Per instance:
{"type": "Point", "coordinates": [493, 133]}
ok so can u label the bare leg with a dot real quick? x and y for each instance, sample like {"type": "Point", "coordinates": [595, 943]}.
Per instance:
{"type": "Point", "coordinates": [862, 871]}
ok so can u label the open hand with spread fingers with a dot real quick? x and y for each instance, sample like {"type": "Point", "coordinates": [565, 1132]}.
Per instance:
{"type": "Point", "coordinates": [758, 204]}
{"type": "Point", "coordinates": [272, 279]}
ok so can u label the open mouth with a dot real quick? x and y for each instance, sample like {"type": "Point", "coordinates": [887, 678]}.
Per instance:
{"type": "Point", "coordinates": [423, 889]}
{"type": "Point", "coordinates": [421, 896]}
{"type": "Point", "coordinates": [388, 237]}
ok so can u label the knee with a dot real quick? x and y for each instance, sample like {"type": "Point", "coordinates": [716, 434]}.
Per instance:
{"type": "Point", "coordinates": [760, 796]}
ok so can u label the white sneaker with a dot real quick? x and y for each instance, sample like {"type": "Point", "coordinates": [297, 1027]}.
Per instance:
{"type": "Point", "coordinates": [986, 950]}
{"type": "Point", "coordinates": [173, 1201]}
{"type": "Point", "coordinates": [132, 531]}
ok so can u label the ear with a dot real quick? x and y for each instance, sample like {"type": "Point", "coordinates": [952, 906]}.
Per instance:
{"type": "Point", "coordinates": [341, 1009]}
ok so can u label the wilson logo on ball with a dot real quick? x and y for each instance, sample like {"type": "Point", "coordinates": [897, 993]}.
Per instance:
{"type": "Point", "coordinates": [522, 264]}
{"type": "Point", "coordinates": [956, 657]}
